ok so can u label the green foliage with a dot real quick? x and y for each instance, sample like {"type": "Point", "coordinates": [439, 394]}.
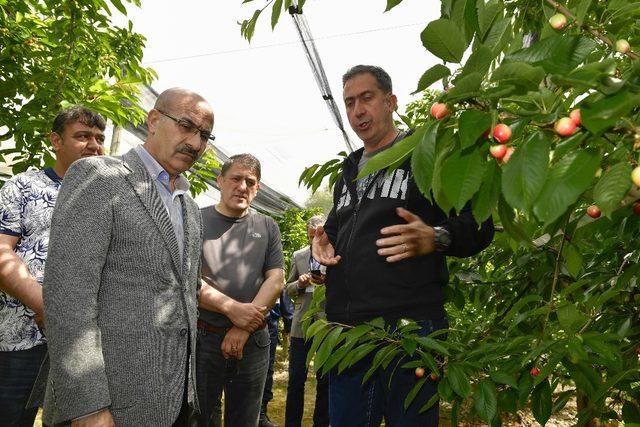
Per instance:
{"type": "Point", "coordinates": [293, 228]}
{"type": "Point", "coordinates": [56, 53]}
{"type": "Point", "coordinates": [557, 290]}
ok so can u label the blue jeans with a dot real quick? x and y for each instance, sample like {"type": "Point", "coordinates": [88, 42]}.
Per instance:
{"type": "Point", "coordinates": [295, 389]}
{"type": "Point", "coordinates": [241, 380]}
{"type": "Point", "coordinates": [353, 404]}
{"type": "Point", "coordinates": [18, 373]}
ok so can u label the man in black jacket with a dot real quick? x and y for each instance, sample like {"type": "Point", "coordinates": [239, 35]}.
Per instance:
{"type": "Point", "coordinates": [385, 245]}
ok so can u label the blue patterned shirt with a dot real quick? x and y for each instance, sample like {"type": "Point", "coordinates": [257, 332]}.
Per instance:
{"type": "Point", "coordinates": [26, 205]}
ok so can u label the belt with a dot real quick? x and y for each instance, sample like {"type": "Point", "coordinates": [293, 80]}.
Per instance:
{"type": "Point", "coordinates": [218, 330]}
{"type": "Point", "coordinates": [213, 329]}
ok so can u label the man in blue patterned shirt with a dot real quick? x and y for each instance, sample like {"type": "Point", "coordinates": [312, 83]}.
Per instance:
{"type": "Point", "coordinates": [26, 205]}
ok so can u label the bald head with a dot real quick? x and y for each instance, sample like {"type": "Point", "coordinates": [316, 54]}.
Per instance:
{"type": "Point", "coordinates": [179, 125]}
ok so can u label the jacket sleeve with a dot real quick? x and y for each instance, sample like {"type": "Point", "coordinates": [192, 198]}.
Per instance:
{"type": "Point", "coordinates": [79, 241]}
{"type": "Point", "coordinates": [467, 239]}
{"type": "Point", "coordinates": [292, 280]}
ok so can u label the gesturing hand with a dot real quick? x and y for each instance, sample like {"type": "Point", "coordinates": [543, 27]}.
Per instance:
{"type": "Point", "coordinates": [406, 240]}
{"type": "Point", "coordinates": [247, 316]}
{"type": "Point", "coordinates": [233, 343]}
{"type": "Point", "coordinates": [322, 249]}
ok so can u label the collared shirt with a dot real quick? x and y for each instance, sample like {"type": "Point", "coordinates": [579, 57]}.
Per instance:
{"type": "Point", "coordinates": [26, 205]}
{"type": "Point", "coordinates": [170, 200]}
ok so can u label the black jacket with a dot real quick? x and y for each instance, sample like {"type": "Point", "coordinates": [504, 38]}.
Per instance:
{"type": "Point", "coordinates": [363, 286]}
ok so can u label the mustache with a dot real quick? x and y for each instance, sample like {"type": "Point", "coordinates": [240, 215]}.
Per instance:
{"type": "Point", "coordinates": [185, 149]}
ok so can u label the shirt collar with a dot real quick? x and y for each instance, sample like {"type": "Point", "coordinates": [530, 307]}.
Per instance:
{"type": "Point", "coordinates": [158, 173]}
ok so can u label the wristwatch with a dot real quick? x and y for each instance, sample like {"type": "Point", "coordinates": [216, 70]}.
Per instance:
{"type": "Point", "coordinates": [442, 238]}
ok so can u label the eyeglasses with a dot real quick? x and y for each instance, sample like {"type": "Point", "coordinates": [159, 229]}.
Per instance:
{"type": "Point", "coordinates": [190, 127]}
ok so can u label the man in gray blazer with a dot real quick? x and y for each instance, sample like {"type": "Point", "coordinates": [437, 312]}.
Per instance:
{"type": "Point", "coordinates": [121, 278]}
{"type": "Point", "coordinates": [300, 287]}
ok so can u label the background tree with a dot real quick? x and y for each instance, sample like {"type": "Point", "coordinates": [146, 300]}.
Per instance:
{"type": "Point", "coordinates": [537, 128]}
{"type": "Point", "coordinates": [321, 199]}
{"type": "Point", "coordinates": [55, 53]}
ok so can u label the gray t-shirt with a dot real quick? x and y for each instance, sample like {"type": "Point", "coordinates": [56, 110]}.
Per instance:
{"type": "Point", "coordinates": [236, 252]}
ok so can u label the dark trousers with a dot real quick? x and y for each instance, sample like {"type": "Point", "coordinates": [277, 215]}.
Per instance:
{"type": "Point", "coordinates": [241, 380]}
{"type": "Point", "coordinates": [352, 404]}
{"type": "Point", "coordinates": [295, 389]}
{"type": "Point", "coordinates": [18, 373]}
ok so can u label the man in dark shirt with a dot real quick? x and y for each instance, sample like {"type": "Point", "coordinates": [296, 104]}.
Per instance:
{"type": "Point", "coordinates": [242, 270]}
{"type": "Point", "coordinates": [385, 245]}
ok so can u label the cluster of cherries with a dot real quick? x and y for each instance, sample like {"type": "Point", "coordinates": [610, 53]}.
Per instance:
{"type": "Point", "coordinates": [501, 132]}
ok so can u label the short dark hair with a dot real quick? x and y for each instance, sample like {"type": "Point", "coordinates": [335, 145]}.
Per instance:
{"type": "Point", "coordinates": [77, 113]}
{"type": "Point", "coordinates": [381, 76]}
{"type": "Point", "coordinates": [245, 160]}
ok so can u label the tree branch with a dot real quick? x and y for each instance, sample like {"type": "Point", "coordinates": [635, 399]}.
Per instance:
{"type": "Point", "coordinates": [596, 33]}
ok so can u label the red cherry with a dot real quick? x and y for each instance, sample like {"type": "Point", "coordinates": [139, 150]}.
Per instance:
{"type": "Point", "coordinates": [419, 372]}
{"type": "Point", "coordinates": [439, 111]}
{"type": "Point", "coordinates": [638, 350]}
{"type": "Point", "coordinates": [576, 117]}
{"type": "Point", "coordinates": [535, 371]}
{"type": "Point", "coordinates": [635, 176]}
{"type": "Point", "coordinates": [434, 377]}
{"type": "Point", "coordinates": [558, 21]}
{"type": "Point", "coordinates": [636, 207]}
{"type": "Point", "coordinates": [565, 127]}
{"type": "Point", "coordinates": [502, 133]}
{"type": "Point", "coordinates": [508, 154]}
{"type": "Point", "coordinates": [594, 211]}
{"type": "Point", "coordinates": [622, 46]}
{"type": "Point", "coordinates": [485, 134]}
{"type": "Point", "coordinates": [498, 151]}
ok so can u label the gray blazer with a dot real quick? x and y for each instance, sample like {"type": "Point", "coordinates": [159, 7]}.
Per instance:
{"type": "Point", "coordinates": [120, 308]}
{"type": "Point", "coordinates": [302, 299]}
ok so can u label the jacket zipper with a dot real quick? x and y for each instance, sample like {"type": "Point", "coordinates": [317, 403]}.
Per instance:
{"type": "Point", "coordinates": [353, 225]}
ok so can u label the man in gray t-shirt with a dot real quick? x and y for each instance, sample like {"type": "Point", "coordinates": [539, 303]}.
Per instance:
{"type": "Point", "coordinates": [242, 272]}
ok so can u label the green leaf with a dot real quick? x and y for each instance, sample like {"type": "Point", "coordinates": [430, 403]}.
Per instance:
{"type": "Point", "coordinates": [327, 346]}
{"type": "Point", "coordinates": [460, 176]}
{"type": "Point", "coordinates": [423, 158]}
{"type": "Point", "coordinates": [431, 76]}
{"type": "Point", "coordinates": [444, 39]}
{"type": "Point", "coordinates": [466, 87]}
{"type": "Point", "coordinates": [118, 4]}
{"type": "Point", "coordinates": [391, 4]}
{"type": "Point", "coordinates": [541, 402]}
{"type": "Point", "coordinates": [275, 13]}
{"type": "Point", "coordinates": [566, 181]}
{"type": "Point", "coordinates": [559, 54]}
{"type": "Point", "coordinates": [486, 400]}
{"type": "Point", "coordinates": [432, 344]}
{"type": "Point", "coordinates": [508, 221]}
{"type": "Point", "coordinates": [486, 199]}
{"type": "Point", "coordinates": [479, 62]}
{"type": "Point", "coordinates": [391, 155]}
{"type": "Point", "coordinates": [630, 413]}
{"type": "Point", "coordinates": [612, 187]}
{"type": "Point", "coordinates": [487, 14]}
{"type": "Point", "coordinates": [317, 341]}
{"type": "Point", "coordinates": [600, 115]}
{"type": "Point", "coordinates": [504, 378]}
{"type": "Point", "coordinates": [519, 74]}
{"type": "Point", "coordinates": [414, 392]}
{"type": "Point", "coordinates": [459, 380]}
{"type": "Point", "coordinates": [570, 318]}
{"type": "Point", "coordinates": [471, 125]}
{"type": "Point", "coordinates": [524, 175]}
{"type": "Point", "coordinates": [573, 259]}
